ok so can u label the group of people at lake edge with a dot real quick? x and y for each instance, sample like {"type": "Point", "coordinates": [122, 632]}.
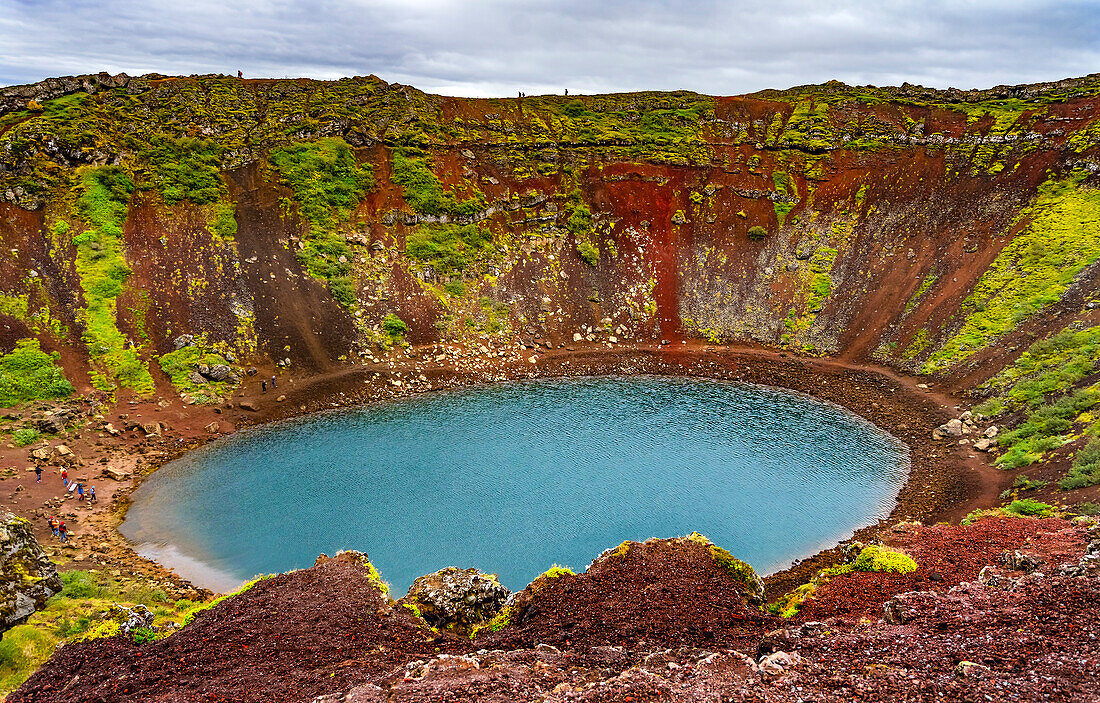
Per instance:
{"type": "Point", "coordinates": [77, 486]}
{"type": "Point", "coordinates": [58, 527]}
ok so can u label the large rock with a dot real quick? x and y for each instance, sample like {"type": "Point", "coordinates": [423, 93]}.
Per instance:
{"type": "Point", "coordinates": [458, 599]}
{"type": "Point", "coordinates": [951, 428]}
{"type": "Point", "coordinates": [27, 577]}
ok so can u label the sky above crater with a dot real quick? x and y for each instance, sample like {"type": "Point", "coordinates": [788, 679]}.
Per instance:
{"type": "Point", "coordinates": [500, 47]}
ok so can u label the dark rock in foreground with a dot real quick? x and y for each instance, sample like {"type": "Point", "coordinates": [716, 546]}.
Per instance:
{"type": "Point", "coordinates": [27, 576]}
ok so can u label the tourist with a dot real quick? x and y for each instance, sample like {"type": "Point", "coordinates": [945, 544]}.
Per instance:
{"type": "Point", "coordinates": [272, 383]}
{"type": "Point", "coordinates": [38, 474]}
{"type": "Point", "coordinates": [65, 477]}
{"type": "Point", "coordinates": [54, 524]}
{"type": "Point", "coordinates": [80, 490]}
{"type": "Point", "coordinates": [239, 74]}
{"type": "Point", "coordinates": [263, 386]}
{"type": "Point", "coordinates": [62, 531]}
{"type": "Point", "coordinates": [91, 494]}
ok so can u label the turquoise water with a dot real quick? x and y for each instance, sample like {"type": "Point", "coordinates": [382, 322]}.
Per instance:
{"type": "Point", "coordinates": [514, 478]}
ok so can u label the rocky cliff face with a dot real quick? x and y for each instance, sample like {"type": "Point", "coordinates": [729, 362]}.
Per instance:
{"type": "Point", "coordinates": [27, 576]}
{"type": "Point", "coordinates": [308, 222]}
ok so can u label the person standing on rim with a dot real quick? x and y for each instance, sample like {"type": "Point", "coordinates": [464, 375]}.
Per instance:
{"type": "Point", "coordinates": [38, 474]}
{"type": "Point", "coordinates": [91, 495]}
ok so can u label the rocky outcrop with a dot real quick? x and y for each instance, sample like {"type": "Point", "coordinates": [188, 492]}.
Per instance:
{"type": "Point", "coordinates": [457, 599]}
{"type": "Point", "coordinates": [27, 577]}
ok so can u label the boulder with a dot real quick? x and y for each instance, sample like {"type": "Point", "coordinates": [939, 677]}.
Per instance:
{"type": "Point", "coordinates": [985, 444]}
{"type": "Point", "coordinates": [213, 427]}
{"type": "Point", "coordinates": [951, 428]}
{"type": "Point", "coordinates": [184, 340]}
{"type": "Point", "coordinates": [151, 429]}
{"type": "Point", "coordinates": [48, 424]}
{"type": "Point", "coordinates": [1021, 561]}
{"type": "Point", "coordinates": [197, 378]}
{"type": "Point", "coordinates": [27, 576]}
{"type": "Point", "coordinates": [778, 662]}
{"type": "Point", "coordinates": [459, 599]}
{"type": "Point", "coordinates": [990, 432]}
{"type": "Point", "coordinates": [905, 607]}
{"type": "Point", "coordinates": [114, 474]}
{"type": "Point", "coordinates": [220, 372]}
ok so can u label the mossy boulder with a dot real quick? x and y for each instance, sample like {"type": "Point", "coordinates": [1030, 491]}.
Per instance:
{"type": "Point", "coordinates": [457, 599]}
{"type": "Point", "coordinates": [27, 577]}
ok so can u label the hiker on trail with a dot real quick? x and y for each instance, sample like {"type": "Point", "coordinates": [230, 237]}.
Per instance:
{"type": "Point", "coordinates": [240, 75]}
{"type": "Point", "coordinates": [91, 495]}
{"type": "Point", "coordinates": [263, 386]}
{"type": "Point", "coordinates": [54, 524]}
{"type": "Point", "coordinates": [38, 474]}
{"type": "Point", "coordinates": [62, 530]}
{"type": "Point", "coordinates": [272, 383]}
{"type": "Point", "coordinates": [65, 477]}
{"type": "Point", "coordinates": [80, 490]}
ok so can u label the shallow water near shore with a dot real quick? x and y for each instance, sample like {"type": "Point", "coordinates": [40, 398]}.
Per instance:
{"type": "Point", "coordinates": [512, 479]}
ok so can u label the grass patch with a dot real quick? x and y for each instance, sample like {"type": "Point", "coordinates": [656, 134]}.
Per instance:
{"type": "Point", "coordinates": [395, 329]}
{"type": "Point", "coordinates": [450, 249]}
{"type": "Point", "coordinates": [873, 558]}
{"type": "Point", "coordinates": [1044, 429]}
{"type": "Point", "coordinates": [589, 252]}
{"type": "Point", "coordinates": [1029, 508]}
{"type": "Point", "coordinates": [423, 191]}
{"type": "Point", "coordinates": [80, 612]}
{"type": "Point", "coordinates": [1085, 470]}
{"type": "Point", "coordinates": [25, 436]}
{"type": "Point", "coordinates": [1048, 366]}
{"type": "Point", "coordinates": [28, 373]}
{"type": "Point", "coordinates": [187, 168]}
{"type": "Point", "coordinates": [757, 233]}
{"type": "Point", "coordinates": [1032, 271]}
{"type": "Point", "coordinates": [104, 200]}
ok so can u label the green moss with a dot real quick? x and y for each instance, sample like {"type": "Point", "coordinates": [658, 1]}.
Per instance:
{"type": "Point", "coordinates": [1085, 470]}
{"type": "Point", "coordinates": [1050, 365]}
{"type": "Point", "coordinates": [449, 249]}
{"type": "Point", "coordinates": [28, 373]}
{"type": "Point", "coordinates": [224, 221]}
{"type": "Point", "coordinates": [881, 559]}
{"type": "Point", "coordinates": [557, 571]}
{"type": "Point", "coordinates": [917, 345]}
{"type": "Point", "coordinates": [103, 203]}
{"type": "Point", "coordinates": [423, 191]}
{"type": "Point", "coordinates": [784, 185]}
{"type": "Point", "coordinates": [327, 184]}
{"type": "Point", "coordinates": [925, 285]}
{"type": "Point", "coordinates": [1032, 271]}
{"type": "Point", "coordinates": [1045, 428]}
{"type": "Point", "coordinates": [757, 233]}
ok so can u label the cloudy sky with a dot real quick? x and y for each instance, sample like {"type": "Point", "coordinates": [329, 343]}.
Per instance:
{"type": "Point", "coordinates": [498, 47]}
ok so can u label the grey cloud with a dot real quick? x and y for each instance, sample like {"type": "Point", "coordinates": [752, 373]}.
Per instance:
{"type": "Point", "coordinates": [496, 47]}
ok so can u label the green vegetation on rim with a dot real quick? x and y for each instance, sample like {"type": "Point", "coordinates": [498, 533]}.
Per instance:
{"type": "Point", "coordinates": [186, 169]}
{"type": "Point", "coordinates": [1032, 271]}
{"type": "Point", "coordinates": [28, 373]}
{"type": "Point", "coordinates": [873, 558]}
{"type": "Point", "coordinates": [104, 199]}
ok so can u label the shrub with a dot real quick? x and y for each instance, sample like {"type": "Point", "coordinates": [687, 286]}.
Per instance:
{"type": "Point", "coordinates": [756, 233]}
{"type": "Point", "coordinates": [1030, 508]}
{"type": "Point", "coordinates": [394, 327]}
{"type": "Point", "coordinates": [1089, 509]}
{"type": "Point", "coordinates": [589, 252]}
{"type": "Point", "coordinates": [28, 373]}
{"type": "Point", "coordinates": [557, 571]}
{"type": "Point", "coordinates": [80, 584]}
{"type": "Point", "coordinates": [25, 436]}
